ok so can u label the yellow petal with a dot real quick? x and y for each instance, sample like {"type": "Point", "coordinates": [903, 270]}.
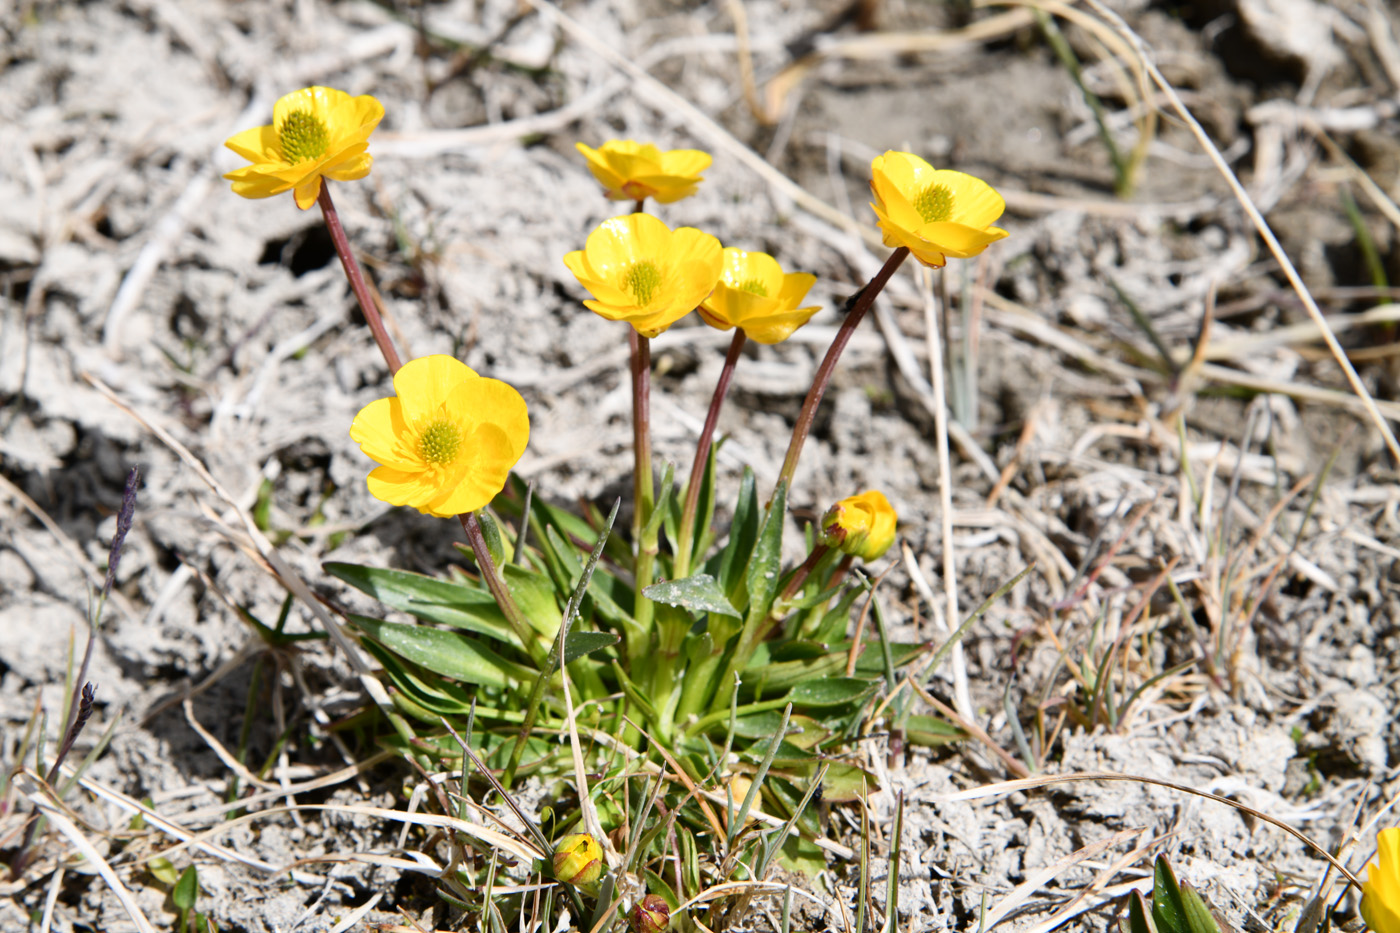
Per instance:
{"type": "Point", "coordinates": [959, 241]}
{"type": "Point", "coordinates": [425, 383]}
{"type": "Point", "coordinates": [352, 168]}
{"type": "Point", "coordinates": [684, 163]}
{"type": "Point", "coordinates": [250, 182]}
{"type": "Point", "coordinates": [402, 487]}
{"type": "Point", "coordinates": [380, 430]}
{"type": "Point", "coordinates": [779, 327]}
{"type": "Point", "coordinates": [308, 191]}
{"type": "Point", "coordinates": [260, 144]}
{"type": "Point", "coordinates": [492, 459]}
{"type": "Point", "coordinates": [975, 202]}
{"type": "Point", "coordinates": [491, 402]}
{"type": "Point", "coordinates": [795, 287]}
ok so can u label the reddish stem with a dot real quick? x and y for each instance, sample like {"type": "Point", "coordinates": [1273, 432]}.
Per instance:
{"type": "Point", "coordinates": [357, 280]}
{"type": "Point", "coordinates": [681, 567]}
{"type": "Point", "coordinates": [865, 299]}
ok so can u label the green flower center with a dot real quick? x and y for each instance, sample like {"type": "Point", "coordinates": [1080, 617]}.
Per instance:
{"type": "Point", "coordinates": [642, 280]}
{"type": "Point", "coordinates": [304, 137]}
{"type": "Point", "coordinates": [754, 287]}
{"type": "Point", "coordinates": [440, 441]}
{"type": "Point", "coordinates": [934, 204]}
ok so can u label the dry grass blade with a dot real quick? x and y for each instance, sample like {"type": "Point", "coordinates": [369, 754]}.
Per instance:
{"type": "Point", "coordinates": [1040, 876]}
{"type": "Point", "coordinates": [1265, 232]}
{"type": "Point", "coordinates": [74, 834]}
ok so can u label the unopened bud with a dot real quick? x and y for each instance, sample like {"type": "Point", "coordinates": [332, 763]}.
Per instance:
{"type": "Point", "coordinates": [578, 859]}
{"type": "Point", "coordinates": [651, 915]}
{"type": "Point", "coordinates": [862, 526]}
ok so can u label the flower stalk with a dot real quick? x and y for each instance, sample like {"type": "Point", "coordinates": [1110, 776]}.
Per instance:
{"type": "Point", "coordinates": [643, 492]}
{"type": "Point", "coordinates": [351, 265]}
{"type": "Point", "coordinates": [681, 566]}
{"type": "Point", "coordinates": [500, 591]}
{"type": "Point", "coordinates": [863, 300]}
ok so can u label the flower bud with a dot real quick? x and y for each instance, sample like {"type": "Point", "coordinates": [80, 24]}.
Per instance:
{"type": "Point", "coordinates": [862, 526]}
{"type": "Point", "coordinates": [578, 859]}
{"type": "Point", "coordinates": [651, 915]}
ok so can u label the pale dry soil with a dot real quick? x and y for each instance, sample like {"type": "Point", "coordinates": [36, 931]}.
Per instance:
{"type": "Point", "coordinates": [125, 263]}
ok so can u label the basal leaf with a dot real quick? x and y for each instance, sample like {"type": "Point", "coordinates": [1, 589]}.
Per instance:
{"type": "Point", "coordinates": [699, 594]}
{"type": "Point", "coordinates": [451, 654]}
{"type": "Point", "coordinates": [577, 644]}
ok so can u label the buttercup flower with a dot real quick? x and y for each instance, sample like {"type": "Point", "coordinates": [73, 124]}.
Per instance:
{"type": "Point", "coordinates": [316, 132]}
{"type": "Point", "coordinates": [632, 171]}
{"type": "Point", "coordinates": [1380, 892]}
{"type": "Point", "coordinates": [447, 440]}
{"type": "Point", "coordinates": [862, 526]}
{"type": "Point", "coordinates": [578, 859]}
{"type": "Point", "coordinates": [642, 272]}
{"type": "Point", "coordinates": [935, 212]}
{"type": "Point", "coordinates": [754, 294]}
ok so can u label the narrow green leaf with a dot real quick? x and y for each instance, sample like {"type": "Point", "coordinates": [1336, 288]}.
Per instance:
{"type": "Point", "coordinates": [1139, 921]}
{"type": "Point", "coordinates": [1199, 917]}
{"type": "Point", "coordinates": [766, 560]}
{"type": "Point", "coordinates": [162, 869]}
{"type": "Point", "coordinates": [428, 599]}
{"type": "Point", "coordinates": [1168, 908]}
{"type": "Point", "coordinates": [186, 890]}
{"type": "Point", "coordinates": [743, 531]}
{"type": "Point", "coordinates": [451, 654]}
{"type": "Point", "coordinates": [930, 731]}
{"type": "Point", "coordinates": [491, 532]}
{"type": "Point", "coordinates": [831, 691]}
{"type": "Point", "coordinates": [700, 594]}
{"type": "Point", "coordinates": [578, 644]}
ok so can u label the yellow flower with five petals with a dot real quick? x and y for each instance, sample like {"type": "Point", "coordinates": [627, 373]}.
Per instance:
{"type": "Point", "coordinates": [755, 295]}
{"type": "Point", "coordinates": [642, 272]}
{"type": "Point", "coordinates": [1380, 892]}
{"type": "Point", "coordinates": [317, 132]}
{"type": "Point", "coordinates": [862, 525]}
{"type": "Point", "coordinates": [936, 213]}
{"type": "Point", "coordinates": [633, 171]}
{"type": "Point", "coordinates": [447, 440]}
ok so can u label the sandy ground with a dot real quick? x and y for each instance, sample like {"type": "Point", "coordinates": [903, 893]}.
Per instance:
{"type": "Point", "coordinates": [153, 319]}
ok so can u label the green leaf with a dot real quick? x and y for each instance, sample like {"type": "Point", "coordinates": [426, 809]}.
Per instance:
{"type": "Point", "coordinates": [428, 598]}
{"type": "Point", "coordinates": [764, 724]}
{"type": "Point", "coordinates": [930, 731]}
{"type": "Point", "coordinates": [577, 644]}
{"type": "Point", "coordinates": [491, 532]}
{"type": "Point", "coordinates": [436, 696]}
{"type": "Point", "coordinates": [831, 691]}
{"type": "Point", "coordinates": [186, 890]}
{"type": "Point", "coordinates": [162, 869]}
{"type": "Point", "coordinates": [451, 654]}
{"type": "Point", "coordinates": [776, 677]}
{"type": "Point", "coordinates": [1138, 919]}
{"type": "Point", "coordinates": [766, 560]}
{"type": "Point", "coordinates": [743, 531]}
{"type": "Point", "coordinates": [700, 594]}
{"type": "Point", "coordinates": [1199, 917]}
{"type": "Point", "coordinates": [1168, 907]}
{"type": "Point", "coordinates": [534, 593]}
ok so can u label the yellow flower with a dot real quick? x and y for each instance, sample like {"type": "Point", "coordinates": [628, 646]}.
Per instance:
{"type": "Point", "coordinates": [642, 272]}
{"type": "Point", "coordinates": [1380, 892]}
{"type": "Point", "coordinates": [447, 440]}
{"type": "Point", "coordinates": [633, 171]}
{"type": "Point", "coordinates": [315, 132]}
{"type": "Point", "coordinates": [862, 526]}
{"type": "Point", "coordinates": [934, 212]}
{"type": "Point", "coordinates": [578, 859]}
{"type": "Point", "coordinates": [754, 294]}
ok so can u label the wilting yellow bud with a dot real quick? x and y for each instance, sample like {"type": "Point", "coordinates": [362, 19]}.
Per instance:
{"type": "Point", "coordinates": [578, 859]}
{"type": "Point", "coordinates": [651, 915]}
{"type": "Point", "coordinates": [862, 526]}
